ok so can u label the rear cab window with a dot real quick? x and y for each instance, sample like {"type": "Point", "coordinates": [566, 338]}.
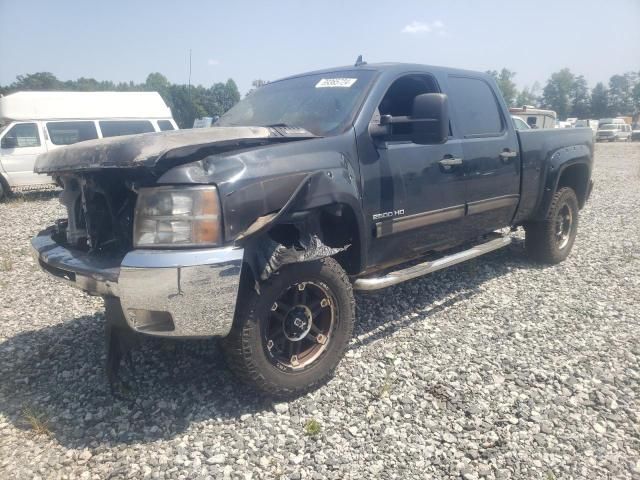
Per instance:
{"type": "Point", "coordinates": [21, 135]}
{"type": "Point", "coordinates": [67, 133]}
{"type": "Point", "coordinates": [165, 125]}
{"type": "Point", "coordinates": [116, 128]}
{"type": "Point", "coordinates": [475, 108]}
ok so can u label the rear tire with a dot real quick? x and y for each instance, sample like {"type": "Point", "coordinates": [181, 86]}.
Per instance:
{"type": "Point", "coordinates": [290, 338]}
{"type": "Point", "coordinates": [550, 240]}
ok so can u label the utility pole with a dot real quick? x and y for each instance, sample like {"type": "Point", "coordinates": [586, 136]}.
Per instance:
{"type": "Point", "coordinates": [189, 87]}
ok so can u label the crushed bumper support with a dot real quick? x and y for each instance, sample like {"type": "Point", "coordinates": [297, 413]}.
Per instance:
{"type": "Point", "coordinates": [168, 293]}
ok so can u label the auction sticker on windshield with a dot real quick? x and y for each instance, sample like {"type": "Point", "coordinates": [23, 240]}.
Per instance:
{"type": "Point", "coordinates": [336, 82]}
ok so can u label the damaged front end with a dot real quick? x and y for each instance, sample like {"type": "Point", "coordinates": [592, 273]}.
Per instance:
{"type": "Point", "coordinates": [181, 291]}
{"type": "Point", "coordinates": [100, 211]}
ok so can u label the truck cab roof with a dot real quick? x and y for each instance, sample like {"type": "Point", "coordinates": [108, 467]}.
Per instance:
{"type": "Point", "coordinates": [393, 68]}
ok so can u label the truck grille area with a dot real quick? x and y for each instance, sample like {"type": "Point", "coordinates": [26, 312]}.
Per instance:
{"type": "Point", "coordinates": [100, 211]}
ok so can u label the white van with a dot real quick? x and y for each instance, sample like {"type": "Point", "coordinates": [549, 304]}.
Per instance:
{"type": "Point", "coordinates": [32, 123]}
{"type": "Point", "coordinates": [535, 117]}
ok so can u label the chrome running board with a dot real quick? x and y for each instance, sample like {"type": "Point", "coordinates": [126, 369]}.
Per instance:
{"type": "Point", "coordinates": [415, 271]}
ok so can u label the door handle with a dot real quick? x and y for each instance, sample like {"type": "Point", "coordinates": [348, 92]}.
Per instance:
{"type": "Point", "coordinates": [507, 155]}
{"type": "Point", "coordinates": [447, 163]}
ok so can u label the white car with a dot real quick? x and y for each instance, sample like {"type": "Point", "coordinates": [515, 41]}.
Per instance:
{"type": "Point", "coordinates": [613, 132]}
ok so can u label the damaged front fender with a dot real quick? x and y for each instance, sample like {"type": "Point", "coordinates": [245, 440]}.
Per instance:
{"type": "Point", "coordinates": [266, 256]}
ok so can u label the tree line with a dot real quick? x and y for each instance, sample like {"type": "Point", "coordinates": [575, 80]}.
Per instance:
{"type": "Point", "coordinates": [187, 102]}
{"type": "Point", "coordinates": [569, 95]}
{"type": "Point", "coordinates": [565, 92]}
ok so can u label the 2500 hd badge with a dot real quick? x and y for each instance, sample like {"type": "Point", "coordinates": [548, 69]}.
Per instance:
{"type": "Point", "coordinates": [394, 213]}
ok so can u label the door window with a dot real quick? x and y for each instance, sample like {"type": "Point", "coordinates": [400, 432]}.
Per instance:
{"type": "Point", "coordinates": [115, 128]}
{"type": "Point", "coordinates": [22, 135]}
{"type": "Point", "coordinates": [398, 102]}
{"type": "Point", "coordinates": [66, 133]}
{"type": "Point", "coordinates": [476, 107]}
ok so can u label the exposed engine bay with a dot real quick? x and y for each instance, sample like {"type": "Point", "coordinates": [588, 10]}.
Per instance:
{"type": "Point", "coordinates": [100, 209]}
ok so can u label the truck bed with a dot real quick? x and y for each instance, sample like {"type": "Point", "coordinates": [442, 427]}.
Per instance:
{"type": "Point", "coordinates": [544, 150]}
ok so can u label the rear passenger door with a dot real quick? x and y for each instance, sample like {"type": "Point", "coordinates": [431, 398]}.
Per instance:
{"type": "Point", "coordinates": [490, 151]}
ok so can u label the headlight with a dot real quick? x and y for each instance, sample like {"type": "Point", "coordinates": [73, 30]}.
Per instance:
{"type": "Point", "coordinates": [177, 217]}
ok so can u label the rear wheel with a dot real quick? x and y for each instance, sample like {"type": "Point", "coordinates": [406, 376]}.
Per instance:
{"type": "Point", "coordinates": [290, 337]}
{"type": "Point", "coordinates": [551, 240]}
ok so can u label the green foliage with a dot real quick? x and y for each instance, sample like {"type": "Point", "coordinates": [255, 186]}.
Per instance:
{"type": "Point", "coordinates": [581, 98]}
{"type": "Point", "coordinates": [620, 94]}
{"type": "Point", "coordinates": [529, 95]}
{"type": "Point", "coordinates": [507, 86]}
{"type": "Point", "coordinates": [312, 428]}
{"type": "Point", "coordinates": [635, 96]}
{"type": "Point", "coordinates": [558, 93]}
{"type": "Point", "coordinates": [599, 101]}
{"type": "Point", "coordinates": [186, 102]}
{"type": "Point", "coordinates": [37, 81]}
{"type": "Point", "coordinates": [256, 84]}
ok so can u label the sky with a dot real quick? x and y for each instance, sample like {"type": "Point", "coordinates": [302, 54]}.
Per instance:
{"type": "Point", "coordinates": [126, 40]}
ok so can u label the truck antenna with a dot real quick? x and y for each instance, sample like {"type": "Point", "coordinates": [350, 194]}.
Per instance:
{"type": "Point", "coordinates": [359, 61]}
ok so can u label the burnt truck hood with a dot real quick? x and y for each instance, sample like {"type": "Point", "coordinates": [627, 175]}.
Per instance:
{"type": "Point", "coordinates": [166, 149]}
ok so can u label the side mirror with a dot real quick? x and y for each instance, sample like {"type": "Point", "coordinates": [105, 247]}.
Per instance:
{"type": "Point", "coordinates": [430, 118]}
{"type": "Point", "coordinates": [9, 142]}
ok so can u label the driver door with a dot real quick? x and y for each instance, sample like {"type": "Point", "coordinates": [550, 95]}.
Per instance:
{"type": "Point", "coordinates": [414, 195]}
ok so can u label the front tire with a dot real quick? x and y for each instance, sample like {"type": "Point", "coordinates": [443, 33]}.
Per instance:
{"type": "Point", "coordinates": [4, 189]}
{"type": "Point", "coordinates": [550, 241]}
{"type": "Point", "coordinates": [290, 337]}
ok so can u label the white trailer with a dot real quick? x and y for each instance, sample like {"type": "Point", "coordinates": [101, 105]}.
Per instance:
{"type": "Point", "coordinates": [32, 123]}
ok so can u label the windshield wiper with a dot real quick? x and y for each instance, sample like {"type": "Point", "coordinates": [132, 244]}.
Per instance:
{"type": "Point", "coordinates": [285, 125]}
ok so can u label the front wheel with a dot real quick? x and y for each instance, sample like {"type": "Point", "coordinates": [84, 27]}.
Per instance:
{"type": "Point", "coordinates": [551, 240]}
{"type": "Point", "coordinates": [290, 337]}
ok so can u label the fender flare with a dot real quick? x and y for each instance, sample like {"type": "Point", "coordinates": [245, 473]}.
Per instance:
{"type": "Point", "coordinates": [561, 159]}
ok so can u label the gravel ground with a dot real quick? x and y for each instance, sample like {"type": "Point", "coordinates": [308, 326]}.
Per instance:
{"type": "Point", "coordinates": [497, 368]}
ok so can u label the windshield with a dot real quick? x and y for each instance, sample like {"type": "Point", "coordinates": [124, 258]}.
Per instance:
{"type": "Point", "coordinates": [609, 126]}
{"type": "Point", "coordinates": [323, 104]}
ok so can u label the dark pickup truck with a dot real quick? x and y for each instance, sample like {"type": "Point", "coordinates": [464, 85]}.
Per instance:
{"type": "Point", "coordinates": [259, 229]}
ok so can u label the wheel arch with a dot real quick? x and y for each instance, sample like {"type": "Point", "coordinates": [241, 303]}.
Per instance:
{"type": "Point", "coordinates": [576, 176]}
{"type": "Point", "coordinates": [568, 167]}
{"type": "Point", "coordinates": [323, 217]}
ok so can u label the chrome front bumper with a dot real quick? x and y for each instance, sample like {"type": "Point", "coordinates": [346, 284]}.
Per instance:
{"type": "Point", "coordinates": [169, 293]}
